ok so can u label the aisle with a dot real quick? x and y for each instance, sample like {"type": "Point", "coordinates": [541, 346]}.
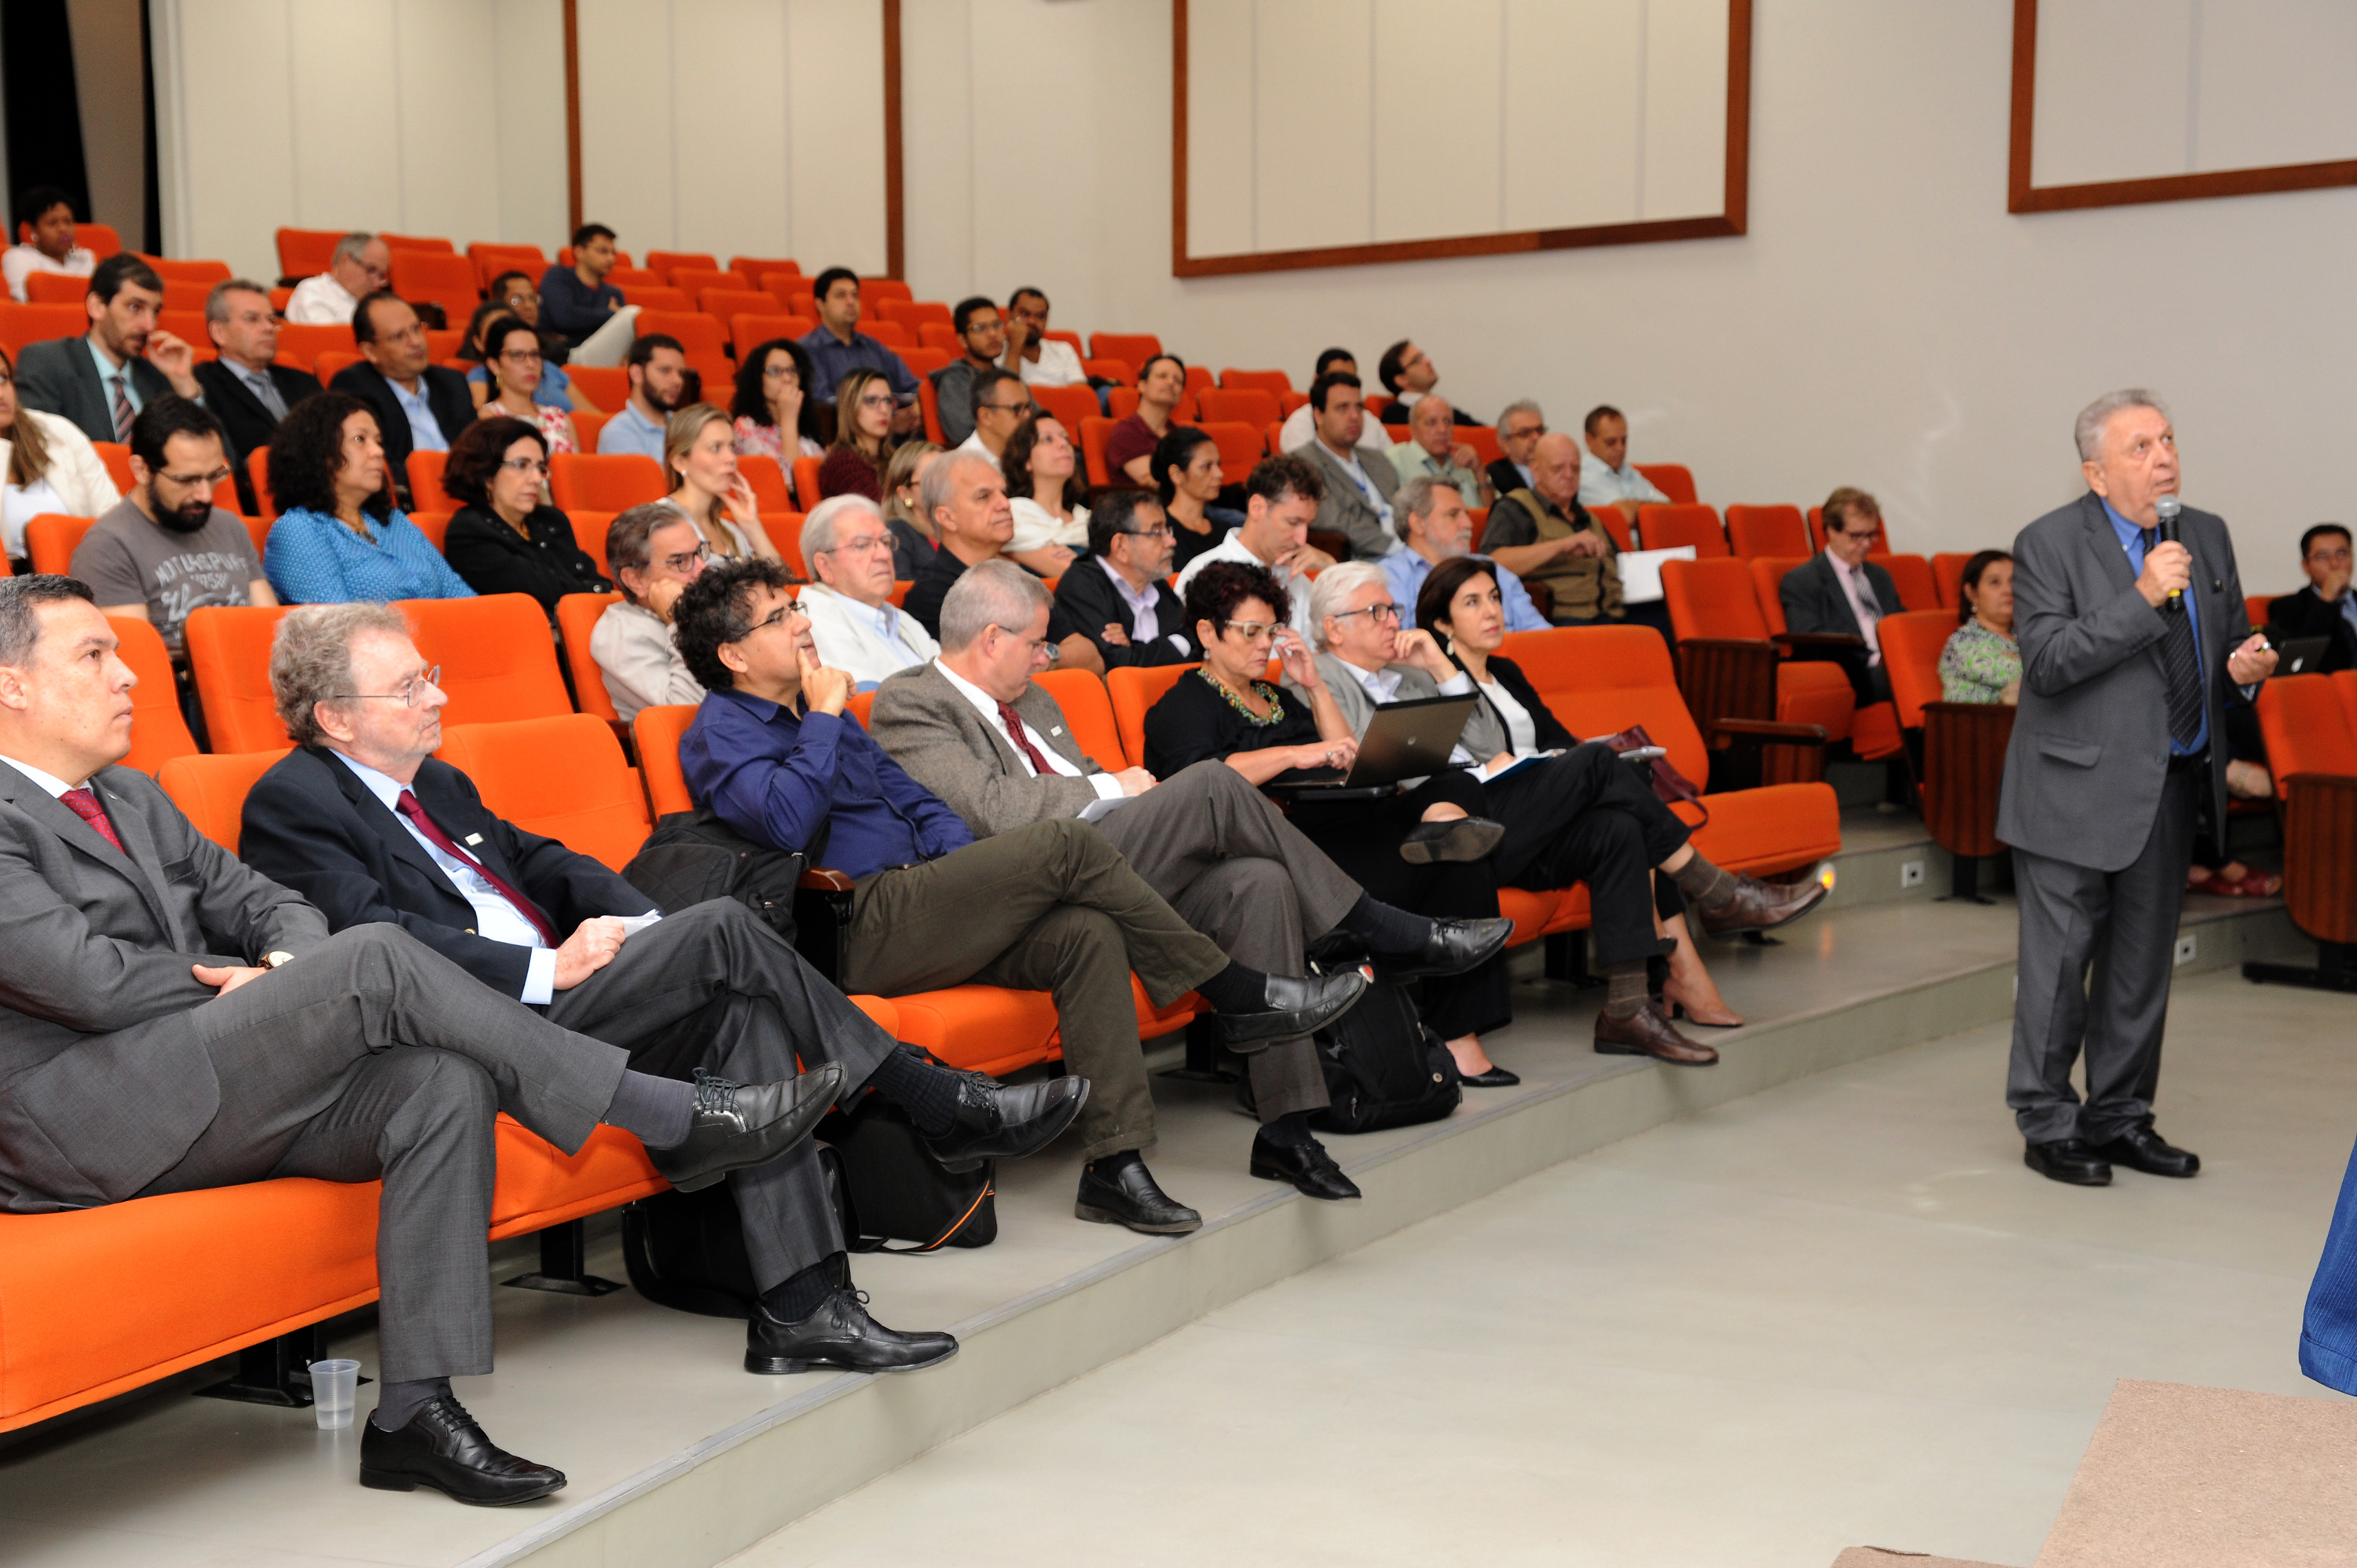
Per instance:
{"type": "Point", "coordinates": [1837, 1313]}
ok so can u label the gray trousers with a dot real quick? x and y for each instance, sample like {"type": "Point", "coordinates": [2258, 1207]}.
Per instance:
{"type": "Point", "coordinates": [1224, 857]}
{"type": "Point", "coordinates": [373, 1055]}
{"type": "Point", "coordinates": [712, 987]}
{"type": "Point", "coordinates": [2097, 948]}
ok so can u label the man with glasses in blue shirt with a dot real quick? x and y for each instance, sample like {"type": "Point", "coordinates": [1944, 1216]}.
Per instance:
{"type": "Point", "coordinates": [838, 348]}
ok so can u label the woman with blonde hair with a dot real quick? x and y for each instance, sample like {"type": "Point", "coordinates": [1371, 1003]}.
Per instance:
{"type": "Point", "coordinates": [914, 538]}
{"type": "Point", "coordinates": [700, 455]}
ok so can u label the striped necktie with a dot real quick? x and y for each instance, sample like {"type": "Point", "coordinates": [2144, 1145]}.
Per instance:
{"type": "Point", "coordinates": [2183, 662]}
{"type": "Point", "coordinates": [123, 415]}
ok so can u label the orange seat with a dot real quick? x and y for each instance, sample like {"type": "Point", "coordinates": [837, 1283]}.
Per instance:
{"type": "Point", "coordinates": [2307, 728]}
{"type": "Point", "coordinates": [158, 731]}
{"type": "Point", "coordinates": [1911, 576]}
{"type": "Point", "coordinates": [753, 269]}
{"type": "Point", "coordinates": [874, 292]}
{"type": "Point", "coordinates": [306, 252]}
{"type": "Point", "coordinates": [1912, 643]}
{"type": "Point", "coordinates": [732, 306]}
{"type": "Point", "coordinates": [331, 363]}
{"type": "Point", "coordinates": [938, 335]}
{"type": "Point", "coordinates": [664, 260]}
{"type": "Point", "coordinates": [448, 280]}
{"type": "Point", "coordinates": [806, 481]}
{"type": "Point", "coordinates": [782, 286]}
{"type": "Point", "coordinates": [55, 288]}
{"type": "Point", "coordinates": [1240, 447]}
{"type": "Point", "coordinates": [891, 334]}
{"type": "Point", "coordinates": [211, 790]}
{"type": "Point", "coordinates": [171, 268]}
{"type": "Point", "coordinates": [1714, 600]}
{"type": "Point", "coordinates": [1120, 372]}
{"type": "Point", "coordinates": [1755, 530]}
{"type": "Point", "coordinates": [751, 327]}
{"type": "Point", "coordinates": [658, 296]}
{"type": "Point", "coordinates": [2256, 608]}
{"type": "Point", "coordinates": [698, 333]}
{"type": "Point", "coordinates": [587, 427]}
{"type": "Point", "coordinates": [563, 778]}
{"type": "Point", "coordinates": [924, 362]}
{"type": "Point", "coordinates": [1668, 527]}
{"type": "Point", "coordinates": [1135, 346]}
{"type": "Point", "coordinates": [693, 281]}
{"type": "Point", "coordinates": [432, 243]}
{"type": "Point", "coordinates": [589, 530]}
{"type": "Point", "coordinates": [425, 492]}
{"type": "Point", "coordinates": [299, 347]}
{"type": "Point", "coordinates": [51, 539]}
{"type": "Point", "coordinates": [1674, 481]}
{"type": "Point", "coordinates": [490, 260]}
{"type": "Point", "coordinates": [657, 731]}
{"type": "Point", "coordinates": [1768, 573]}
{"type": "Point", "coordinates": [117, 458]}
{"type": "Point", "coordinates": [576, 620]}
{"type": "Point", "coordinates": [928, 401]}
{"type": "Point", "coordinates": [1252, 405]}
{"type": "Point", "coordinates": [435, 525]}
{"type": "Point", "coordinates": [1948, 578]}
{"type": "Point", "coordinates": [600, 483]}
{"type": "Point", "coordinates": [1277, 383]}
{"type": "Point", "coordinates": [1088, 713]}
{"type": "Point", "coordinates": [23, 324]}
{"type": "Point", "coordinates": [1093, 451]}
{"type": "Point", "coordinates": [257, 467]}
{"type": "Point", "coordinates": [913, 314]}
{"type": "Point", "coordinates": [607, 386]}
{"type": "Point", "coordinates": [98, 238]}
{"type": "Point", "coordinates": [1070, 406]}
{"type": "Point", "coordinates": [1132, 691]}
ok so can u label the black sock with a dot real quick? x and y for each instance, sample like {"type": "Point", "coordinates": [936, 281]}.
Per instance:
{"type": "Point", "coordinates": [1704, 883]}
{"type": "Point", "coordinates": [1624, 993]}
{"type": "Point", "coordinates": [1385, 929]}
{"type": "Point", "coordinates": [1235, 989]}
{"type": "Point", "coordinates": [1120, 1159]}
{"type": "Point", "coordinates": [927, 1092]}
{"type": "Point", "coordinates": [660, 1111]}
{"type": "Point", "coordinates": [804, 1293]}
{"type": "Point", "coordinates": [1290, 1130]}
{"type": "Point", "coordinates": [396, 1402]}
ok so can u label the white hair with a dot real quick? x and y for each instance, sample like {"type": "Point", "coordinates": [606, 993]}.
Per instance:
{"type": "Point", "coordinates": [819, 529]}
{"type": "Point", "coordinates": [991, 592]}
{"type": "Point", "coordinates": [1331, 591]}
{"type": "Point", "coordinates": [2089, 428]}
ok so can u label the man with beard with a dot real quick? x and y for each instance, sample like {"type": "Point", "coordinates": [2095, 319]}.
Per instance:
{"type": "Point", "coordinates": [657, 367]}
{"type": "Point", "coordinates": [167, 550]}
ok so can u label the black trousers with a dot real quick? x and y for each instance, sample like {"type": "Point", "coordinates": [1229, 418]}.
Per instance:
{"type": "Point", "coordinates": [1586, 816]}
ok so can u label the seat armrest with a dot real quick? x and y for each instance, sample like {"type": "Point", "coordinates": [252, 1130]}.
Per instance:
{"type": "Point", "coordinates": [823, 921]}
{"type": "Point", "coordinates": [1774, 730]}
{"type": "Point", "coordinates": [1827, 641]}
{"type": "Point", "coordinates": [821, 879]}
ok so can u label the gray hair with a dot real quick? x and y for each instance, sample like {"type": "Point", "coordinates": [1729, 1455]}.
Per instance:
{"type": "Point", "coordinates": [994, 593]}
{"type": "Point", "coordinates": [938, 483]}
{"type": "Point", "coordinates": [20, 601]}
{"type": "Point", "coordinates": [1331, 591]}
{"type": "Point", "coordinates": [217, 302]}
{"type": "Point", "coordinates": [1521, 405]}
{"type": "Point", "coordinates": [2088, 430]}
{"type": "Point", "coordinates": [627, 537]}
{"type": "Point", "coordinates": [1414, 498]}
{"type": "Point", "coordinates": [819, 530]}
{"type": "Point", "coordinates": [350, 247]}
{"type": "Point", "coordinates": [311, 659]}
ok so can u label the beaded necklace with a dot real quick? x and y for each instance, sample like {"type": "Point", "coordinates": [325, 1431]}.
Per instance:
{"type": "Point", "coordinates": [1266, 691]}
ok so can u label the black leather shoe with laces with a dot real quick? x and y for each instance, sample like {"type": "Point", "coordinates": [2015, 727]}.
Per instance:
{"type": "Point", "coordinates": [443, 1447]}
{"type": "Point", "coordinates": [1006, 1121]}
{"type": "Point", "coordinates": [738, 1124]}
{"type": "Point", "coordinates": [840, 1335]}
{"type": "Point", "coordinates": [1310, 1169]}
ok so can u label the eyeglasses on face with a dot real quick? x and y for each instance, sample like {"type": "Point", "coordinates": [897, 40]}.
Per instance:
{"type": "Point", "coordinates": [857, 545]}
{"type": "Point", "coordinates": [1161, 531]}
{"type": "Point", "coordinates": [412, 693]}
{"type": "Point", "coordinates": [682, 562]}
{"type": "Point", "coordinates": [876, 399]}
{"type": "Point", "coordinates": [779, 370]}
{"type": "Point", "coordinates": [520, 356]}
{"type": "Point", "coordinates": [1386, 611]}
{"type": "Point", "coordinates": [1255, 630]}
{"type": "Point", "coordinates": [524, 465]}
{"type": "Point", "coordinates": [1025, 406]}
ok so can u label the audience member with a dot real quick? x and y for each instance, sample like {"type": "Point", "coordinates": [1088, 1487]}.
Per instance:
{"type": "Point", "coordinates": [339, 535]}
{"type": "Point", "coordinates": [167, 550]}
{"type": "Point", "coordinates": [1359, 479]}
{"type": "Point", "coordinates": [101, 380]}
{"type": "Point", "coordinates": [700, 456]}
{"type": "Point", "coordinates": [1281, 499]}
{"type": "Point", "coordinates": [512, 351]}
{"type": "Point", "coordinates": [837, 347]}
{"type": "Point", "coordinates": [654, 553]}
{"type": "Point", "coordinates": [656, 367]}
{"type": "Point", "coordinates": [360, 265]}
{"type": "Point", "coordinates": [1611, 479]}
{"type": "Point", "coordinates": [853, 624]}
{"type": "Point", "coordinates": [2325, 607]}
{"type": "Point", "coordinates": [1841, 593]}
{"type": "Point", "coordinates": [45, 241]}
{"type": "Point", "coordinates": [1051, 905]}
{"type": "Point", "coordinates": [1188, 477]}
{"type": "Point", "coordinates": [1300, 427]}
{"type": "Point", "coordinates": [577, 300]}
{"type": "Point", "coordinates": [966, 498]}
{"type": "Point", "coordinates": [1981, 662]}
{"type": "Point", "coordinates": [1046, 487]}
{"type": "Point", "coordinates": [1040, 360]}
{"type": "Point", "coordinates": [1435, 528]}
{"type": "Point", "coordinates": [1407, 373]}
{"type": "Point", "coordinates": [1541, 531]}
{"type": "Point", "coordinates": [47, 465]}
{"type": "Point", "coordinates": [1432, 448]}
{"type": "Point", "coordinates": [1520, 425]}
{"type": "Point", "coordinates": [506, 538]}
{"type": "Point", "coordinates": [982, 343]}
{"type": "Point", "coordinates": [1001, 402]}
{"type": "Point", "coordinates": [419, 405]}
{"type": "Point", "coordinates": [1120, 596]}
{"type": "Point", "coordinates": [776, 417]}
{"type": "Point", "coordinates": [862, 453]}
{"type": "Point", "coordinates": [247, 391]}
{"type": "Point", "coordinates": [519, 295]}
{"type": "Point", "coordinates": [554, 389]}
{"type": "Point", "coordinates": [1130, 445]}
{"type": "Point", "coordinates": [914, 536]}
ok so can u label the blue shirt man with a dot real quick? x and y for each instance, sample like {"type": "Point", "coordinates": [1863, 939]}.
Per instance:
{"type": "Point", "coordinates": [1405, 571]}
{"type": "Point", "coordinates": [831, 359]}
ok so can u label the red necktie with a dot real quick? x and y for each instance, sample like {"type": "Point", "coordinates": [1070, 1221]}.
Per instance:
{"type": "Point", "coordinates": [82, 803]}
{"type": "Point", "coordinates": [408, 807]}
{"type": "Point", "coordinates": [1022, 739]}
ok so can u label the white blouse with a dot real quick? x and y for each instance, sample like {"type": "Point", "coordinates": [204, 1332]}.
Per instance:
{"type": "Point", "coordinates": [1521, 732]}
{"type": "Point", "coordinates": [20, 504]}
{"type": "Point", "coordinates": [1035, 529]}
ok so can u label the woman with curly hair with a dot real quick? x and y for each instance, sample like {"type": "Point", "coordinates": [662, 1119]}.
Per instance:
{"type": "Point", "coordinates": [339, 537]}
{"type": "Point", "coordinates": [1052, 526]}
{"type": "Point", "coordinates": [506, 538]}
{"type": "Point", "coordinates": [776, 416]}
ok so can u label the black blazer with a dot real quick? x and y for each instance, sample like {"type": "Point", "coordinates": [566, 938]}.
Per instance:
{"type": "Point", "coordinates": [58, 376]}
{"type": "Point", "coordinates": [494, 558]}
{"type": "Point", "coordinates": [447, 395]}
{"type": "Point", "coordinates": [1088, 600]}
{"type": "Point", "coordinates": [2305, 615]}
{"type": "Point", "coordinates": [1509, 674]}
{"type": "Point", "coordinates": [319, 831]}
{"type": "Point", "coordinates": [247, 424]}
{"type": "Point", "coordinates": [1505, 478]}
{"type": "Point", "coordinates": [1815, 603]}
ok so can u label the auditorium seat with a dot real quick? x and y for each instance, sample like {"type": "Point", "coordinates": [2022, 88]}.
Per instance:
{"type": "Point", "coordinates": [1948, 579]}
{"type": "Point", "coordinates": [446, 279]}
{"type": "Point", "coordinates": [754, 269]}
{"type": "Point", "coordinates": [1252, 405]}
{"type": "Point", "coordinates": [750, 328]}
{"type": "Point", "coordinates": [806, 481]}
{"type": "Point", "coordinates": [1088, 713]}
{"type": "Point", "coordinates": [425, 492]}
{"type": "Point", "coordinates": [891, 334]}
{"type": "Point", "coordinates": [938, 335]}
{"type": "Point", "coordinates": [490, 260]}
{"type": "Point", "coordinates": [590, 529]}
{"type": "Point", "coordinates": [1873, 734]}
{"type": "Point", "coordinates": [23, 324]}
{"type": "Point", "coordinates": [206, 272]}
{"type": "Point", "coordinates": [1912, 643]}
{"type": "Point", "coordinates": [924, 362]}
{"type": "Point", "coordinates": [1240, 447]}
{"type": "Point", "coordinates": [435, 525]}
{"type": "Point", "coordinates": [306, 252]}
{"type": "Point", "coordinates": [1778, 530]}
{"type": "Point", "coordinates": [564, 778]}
{"type": "Point", "coordinates": [693, 281]}
{"type": "Point", "coordinates": [1135, 346]}
{"type": "Point", "coordinates": [587, 427]}
{"type": "Point", "coordinates": [607, 386]}
{"type": "Point", "coordinates": [2310, 726]}
{"type": "Point", "coordinates": [2255, 606]}
{"type": "Point", "coordinates": [769, 494]}
{"type": "Point", "coordinates": [257, 467]}
{"type": "Point", "coordinates": [627, 277]}
{"type": "Point", "coordinates": [874, 292]}
{"type": "Point", "coordinates": [1133, 691]}
{"type": "Point", "coordinates": [698, 333]}
{"type": "Point", "coordinates": [211, 788]}
{"type": "Point", "coordinates": [1094, 431]}
{"type": "Point", "coordinates": [599, 483]}
{"type": "Point", "coordinates": [299, 347]}
{"type": "Point", "coordinates": [1277, 383]}
{"type": "Point", "coordinates": [1070, 406]}
{"type": "Point", "coordinates": [158, 731]}
{"type": "Point", "coordinates": [1674, 481]}
{"type": "Point", "coordinates": [664, 260]}
{"type": "Point", "coordinates": [331, 362]}
{"type": "Point", "coordinates": [1122, 401]}
{"type": "Point", "coordinates": [117, 458]}
{"type": "Point", "coordinates": [1120, 372]}
{"type": "Point", "coordinates": [576, 620]}
{"type": "Point", "coordinates": [1669, 527]}
{"type": "Point", "coordinates": [1728, 664]}
{"type": "Point", "coordinates": [726, 303]}
{"type": "Point", "coordinates": [929, 402]}
{"type": "Point", "coordinates": [2307, 730]}
{"type": "Point", "coordinates": [51, 540]}
{"type": "Point", "coordinates": [1911, 576]}
{"type": "Point", "coordinates": [915, 313]}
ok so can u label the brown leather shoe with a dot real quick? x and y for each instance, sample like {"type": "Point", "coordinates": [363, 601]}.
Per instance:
{"type": "Point", "coordinates": [1648, 1034]}
{"type": "Point", "coordinates": [1762, 906]}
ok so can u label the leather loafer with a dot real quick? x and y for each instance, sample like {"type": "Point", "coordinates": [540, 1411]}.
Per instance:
{"type": "Point", "coordinates": [1294, 1007]}
{"type": "Point", "coordinates": [738, 1124]}
{"type": "Point", "coordinates": [1466, 838]}
{"type": "Point", "coordinates": [1006, 1121]}
{"type": "Point", "coordinates": [1120, 1191]}
{"type": "Point", "coordinates": [1762, 906]}
{"type": "Point", "coordinates": [2142, 1149]}
{"type": "Point", "coordinates": [840, 1335]}
{"type": "Point", "coordinates": [1454, 947]}
{"type": "Point", "coordinates": [1647, 1033]}
{"type": "Point", "coordinates": [2069, 1160]}
{"type": "Point", "coordinates": [442, 1447]}
{"type": "Point", "coordinates": [1310, 1169]}
{"type": "Point", "coordinates": [1494, 1077]}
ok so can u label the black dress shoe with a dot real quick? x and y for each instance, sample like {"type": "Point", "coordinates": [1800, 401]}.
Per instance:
{"type": "Point", "coordinates": [1294, 1007]}
{"type": "Point", "coordinates": [2068, 1159]}
{"type": "Point", "coordinates": [1006, 1121]}
{"type": "Point", "coordinates": [1310, 1169]}
{"type": "Point", "coordinates": [1120, 1191]}
{"type": "Point", "coordinates": [1493, 1077]}
{"type": "Point", "coordinates": [840, 1335]}
{"type": "Point", "coordinates": [2142, 1149]}
{"type": "Point", "coordinates": [442, 1447]}
{"type": "Point", "coordinates": [1467, 837]}
{"type": "Point", "coordinates": [1454, 947]}
{"type": "Point", "coordinates": [741, 1124]}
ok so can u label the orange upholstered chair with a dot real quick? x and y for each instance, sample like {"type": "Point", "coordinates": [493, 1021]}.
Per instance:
{"type": "Point", "coordinates": [498, 659]}
{"type": "Point", "coordinates": [1094, 431]}
{"type": "Point", "coordinates": [770, 493]}
{"type": "Point", "coordinates": [1252, 405]}
{"type": "Point", "coordinates": [1668, 527]}
{"type": "Point", "coordinates": [576, 618]}
{"type": "Point", "coordinates": [698, 333]}
{"type": "Point", "coordinates": [1776, 530]}
{"type": "Point", "coordinates": [490, 260]}
{"type": "Point", "coordinates": [1728, 665]}
{"type": "Point", "coordinates": [1912, 643]}
{"type": "Point", "coordinates": [425, 492]}
{"type": "Point", "coordinates": [607, 386]}
{"type": "Point", "coordinates": [657, 731]}
{"type": "Point", "coordinates": [1120, 372]}
{"type": "Point", "coordinates": [2307, 729]}
{"type": "Point", "coordinates": [171, 268]}
{"type": "Point", "coordinates": [1911, 576]}
{"type": "Point", "coordinates": [600, 483]}
{"type": "Point", "coordinates": [874, 292]}
{"type": "Point", "coordinates": [229, 655]}
{"type": "Point", "coordinates": [448, 280]}
{"type": "Point", "coordinates": [664, 262]}
{"type": "Point", "coordinates": [1135, 346]}
{"type": "Point", "coordinates": [23, 324]}
{"type": "Point", "coordinates": [1088, 712]}
{"type": "Point", "coordinates": [435, 525]}
{"type": "Point", "coordinates": [1070, 406]}
{"type": "Point", "coordinates": [51, 539]}
{"type": "Point", "coordinates": [117, 458]}
{"type": "Point", "coordinates": [212, 789]}
{"type": "Point", "coordinates": [913, 314]}
{"type": "Point", "coordinates": [158, 731]}
{"type": "Point", "coordinates": [1133, 691]}
{"type": "Point", "coordinates": [1240, 447]}
{"type": "Point", "coordinates": [750, 328]}
{"type": "Point", "coordinates": [563, 778]}
{"type": "Point", "coordinates": [590, 529]}
{"type": "Point", "coordinates": [726, 301]}
{"type": "Point", "coordinates": [806, 481]}
{"type": "Point", "coordinates": [300, 347]}
{"type": "Point", "coordinates": [1948, 579]}
{"type": "Point", "coordinates": [305, 253]}
{"type": "Point", "coordinates": [1277, 383]}
{"type": "Point", "coordinates": [1674, 481]}
{"type": "Point", "coordinates": [753, 270]}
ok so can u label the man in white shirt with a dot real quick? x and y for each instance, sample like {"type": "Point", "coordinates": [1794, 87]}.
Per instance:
{"type": "Point", "coordinates": [1281, 502]}
{"type": "Point", "coordinates": [854, 626]}
{"type": "Point", "coordinates": [657, 367]}
{"type": "Point", "coordinates": [655, 552]}
{"type": "Point", "coordinates": [1359, 479]}
{"type": "Point", "coordinates": [1040, 360]}
{"type": "Point", "coordinates": [1841, 593]}
{"type": "Point", "coordinates": [361, 264]}
{"type": "Point", "coordinates": [1611, 479]}
{"type": "Point", "coordinates": [1300, 427]}
{"type": "Point", "coordinates": [45, 241]}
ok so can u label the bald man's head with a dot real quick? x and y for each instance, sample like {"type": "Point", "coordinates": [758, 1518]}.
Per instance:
{"type": "Point", "coordinates": [1555, 468]}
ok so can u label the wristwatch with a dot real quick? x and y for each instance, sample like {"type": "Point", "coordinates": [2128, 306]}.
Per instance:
{"type": "Point", "coordinates": [272, 959]}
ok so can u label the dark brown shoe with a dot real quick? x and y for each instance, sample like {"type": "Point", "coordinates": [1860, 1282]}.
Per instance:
{"type": "Point", "coordinates": [1762, 906]}
{"type": "Point", "coordinates": [1648, 1034]}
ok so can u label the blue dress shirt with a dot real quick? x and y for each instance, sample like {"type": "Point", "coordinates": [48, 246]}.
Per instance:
{"type": "Point", "coordinates": [778, 777]}
{"type": "Point", "coordinates": [832, 360]}
{"type": "Point", "coordinates": [109, 373]}
{"type": "Point", "coordinates": [313, 559]}
{"type": "Point", "coordinates": [2132, 541]}
{"type": "Point", "coordinates": [1405, 571]}
{"type": "Point", "coordinates": [631, 432]}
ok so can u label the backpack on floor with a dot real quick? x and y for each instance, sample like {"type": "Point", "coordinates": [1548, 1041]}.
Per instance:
{"type": "Point", "coordinates": [692, 856]}
{"type": "Point", "coordinates": [1384, 1067]}
{"type": "Point", "coordinates": [887, 1186]}
{"type": "Point", "coordinates": [686, 1251]}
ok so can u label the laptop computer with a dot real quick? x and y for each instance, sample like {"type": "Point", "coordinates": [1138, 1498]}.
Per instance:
{"type": "Point", "coordinates": [1404, 740]}
{"type": "Point", "coordinates": [2301, 655]}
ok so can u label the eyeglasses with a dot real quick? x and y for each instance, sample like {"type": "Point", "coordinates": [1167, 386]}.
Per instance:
{"type": "Point", "coordinates": [876, 399]}
{"type": "Point", "coordinates": [413, 691]}
{"type": "Point", "coordinates": [1255, 630]}
{"type": "Point", "coordinates": [1162, 532]}
{"type": "Point", "coordinates": [522, 299]}
{"type": "Point", "coordinates": [521, 356]}
{"type": "Point", "coordinates": [863, 543]}
{"type": "Point", "coordinates": [1035, 646]}
{"type": "Point", "coordinates": [775, 617]}
{"type": "Point", "coordinates": [1523, 434]}
{"type": "Point", "coordinates": [780, 372]}
{"type": "Point", "coordinates": [523, 464]}
{"type": "Point", "coordinates": [1025, 406]}
{"type": "Point", "coordinates": [682, 563]}
{"type": "Point", "coordinates": [1389, 612]}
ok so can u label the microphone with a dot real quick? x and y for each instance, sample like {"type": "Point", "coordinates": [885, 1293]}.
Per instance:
{"type": "Point", "coordinates": [2167, 508]}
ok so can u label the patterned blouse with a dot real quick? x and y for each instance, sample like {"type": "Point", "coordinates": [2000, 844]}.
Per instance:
{"type": "Point", "coordinates": [1978, 664]}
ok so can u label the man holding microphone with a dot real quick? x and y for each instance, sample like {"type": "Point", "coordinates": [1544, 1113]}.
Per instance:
{"type": "Point", "coordinates": [2132, 625]}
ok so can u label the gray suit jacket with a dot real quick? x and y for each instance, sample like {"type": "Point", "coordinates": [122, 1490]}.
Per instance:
{"type": "Point", "coordinates": [104, 1080]}
{"type": "Point", "coordinates": [1484, 737]}
{"type": "Point", "coordinates": [1815, 602]}
{"type": "Point", "coordinates": [941, 742]}
{"type": "Point", "coordinates": [58, 376]}
{"type": "Point", "coordinates": [1346, 509]}
{"type": "Point", "coordinates": [2090, 750]}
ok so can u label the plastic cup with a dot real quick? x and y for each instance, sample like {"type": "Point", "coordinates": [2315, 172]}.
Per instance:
{"type": "Point", "coordinates": [333, 1385]}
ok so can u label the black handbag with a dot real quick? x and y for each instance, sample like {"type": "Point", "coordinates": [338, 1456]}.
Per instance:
{"type": "Point", "coordinates": [888, 1188]}
{"type": "Point", "coordinates": [693, 856]}
{"type": "Point", "coordinates": [1383, 1068]}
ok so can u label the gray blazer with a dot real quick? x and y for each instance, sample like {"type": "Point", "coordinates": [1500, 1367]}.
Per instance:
{"type": "Point", "coordinates": [58, 376]}
{"type": "Point", "coordinates": [1484, 737]}
{"type": "Point", "coordinates": [2090, 750]}
{"type": "Point", "coordinates": [103, 1080]}
{"type": "Point", "coordinates": [1346, 509]}
{"type": "Point", "coordinates": [941, 742]}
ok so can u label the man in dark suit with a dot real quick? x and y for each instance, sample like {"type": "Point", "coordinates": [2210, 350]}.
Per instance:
{"type": "Point", "coordinates": [101, 380]}
{"type": "Point", "coordinates": [1840, 592]}
{"type": "Point", "coordinates": [172, 1020]}
{"type": "Point", "coordinates": [2129, 643]}
{"type": "Point", "coordinates": [1520, 425]}
{"type": "Point", "coordinates": [417, 403]}
{"type": "Point", "coordinates": [247, 391]}
{"type": "Point", "coordinates": [1120, 598]}
{"type": "Point", "coordinates": [362, 819]}
{"type": "Point", "coordinates": [2325, 607]}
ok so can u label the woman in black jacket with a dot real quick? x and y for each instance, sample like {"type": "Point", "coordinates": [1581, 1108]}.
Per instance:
{"type": "Point", "coordinates": [508, 539]}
